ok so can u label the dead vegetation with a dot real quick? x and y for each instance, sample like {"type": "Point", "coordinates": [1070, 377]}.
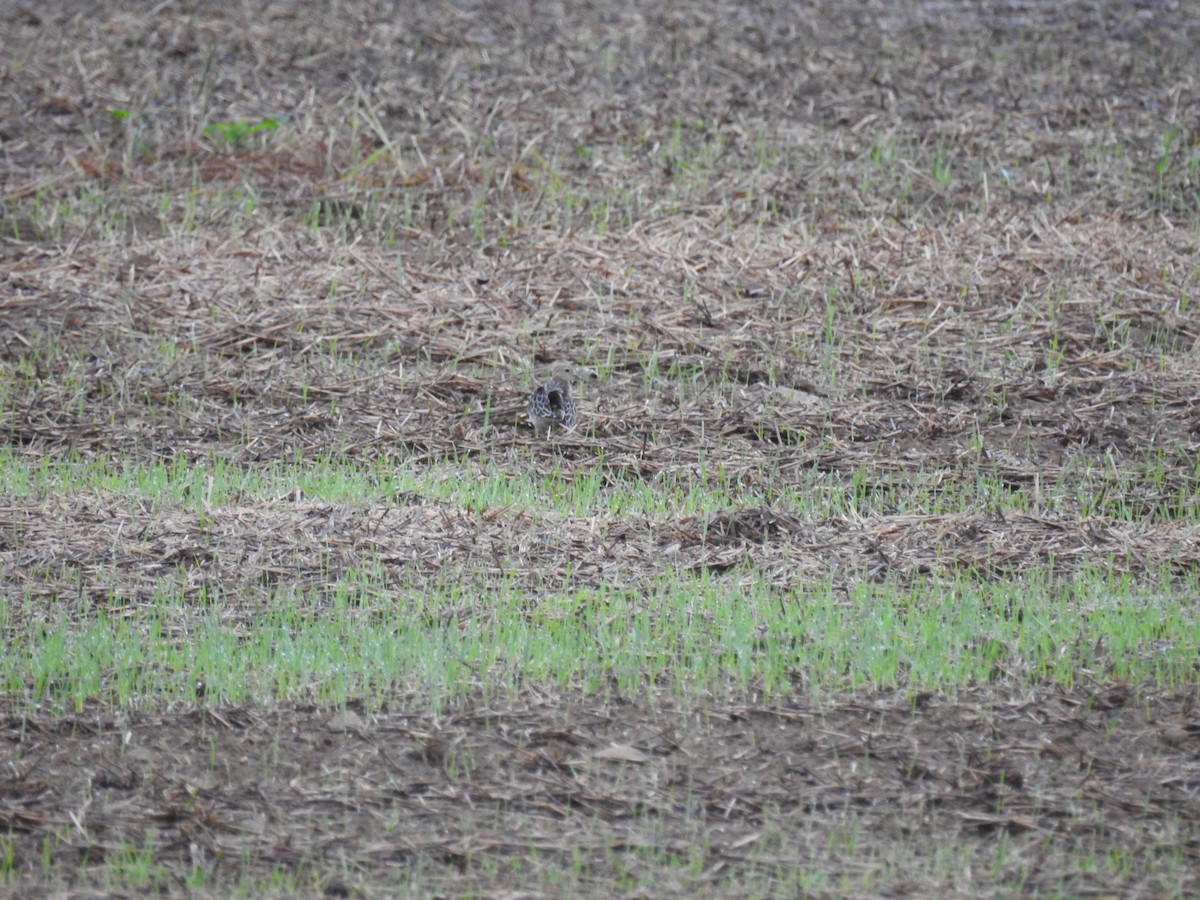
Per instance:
{"type": "Point", "coordinates": [905, 244]}
{"type": "Point", "coordinates": [566, 791]}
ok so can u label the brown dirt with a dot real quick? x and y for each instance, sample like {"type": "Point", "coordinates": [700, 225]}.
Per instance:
{"type": "Point", "coordinates": [757, 243]}
{"type": "Point", "coordinates": [492, 800]}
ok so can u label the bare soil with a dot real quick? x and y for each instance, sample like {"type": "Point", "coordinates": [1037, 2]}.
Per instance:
{"type": "Point", "coordinates": [493, 800]}
{"type": "Point", "coordinates": [906, 242]}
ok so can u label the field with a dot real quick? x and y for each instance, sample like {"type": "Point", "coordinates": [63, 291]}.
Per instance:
{"type": "Point", "coordinates": [871, 568]}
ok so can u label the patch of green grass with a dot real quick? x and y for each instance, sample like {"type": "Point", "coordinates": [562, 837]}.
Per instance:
{"type": "Point", "coordinates": [237, 132]}
{"type": "Point", "coordinates": [129, 867]}
{"type": "Point", "coordinates": [368, 636]}
{"type": "Point", "coordinates": [1130, 493]}
{"type": "Point", "coordinates": [134, 867]}
{"type": "Point", "coordinates": [7, 860]}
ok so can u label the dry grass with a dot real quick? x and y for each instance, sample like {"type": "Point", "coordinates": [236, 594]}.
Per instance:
{"type": "Point", "coordinates": [911, 293]}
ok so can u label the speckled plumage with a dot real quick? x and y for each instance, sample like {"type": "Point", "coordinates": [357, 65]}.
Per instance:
{"type": "Point", "coordinates": [552, 406]}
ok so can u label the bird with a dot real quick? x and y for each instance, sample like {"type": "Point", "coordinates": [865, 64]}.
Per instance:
{"type": "Point", "coordinates": [552, 406]}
